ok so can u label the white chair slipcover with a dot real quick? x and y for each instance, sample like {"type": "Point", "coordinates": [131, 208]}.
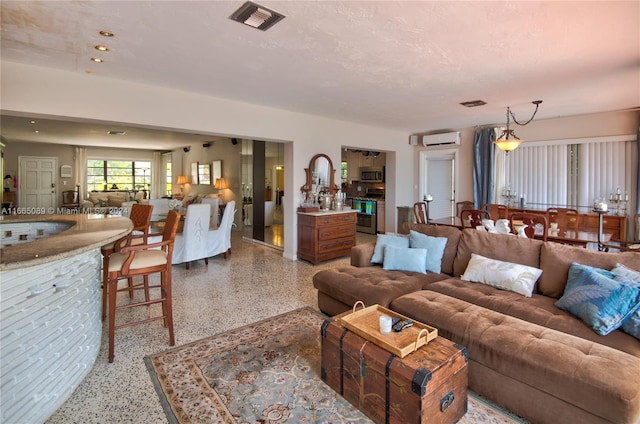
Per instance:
{"type": "Point", "coordinates": [160, 209]}
{"type": "Point", "coordinates": [191, 244]}
{"type": "Point", "coordinates": [215, 211]}
{"type": "Point", "coordinates": [269, 210]}
{"type": "Point", "coordinates": [219, 240]}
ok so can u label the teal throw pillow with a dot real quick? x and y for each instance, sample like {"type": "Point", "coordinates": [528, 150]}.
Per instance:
{"type": "Point", "coordinates": [435, 249]}
{"type": "Point", "coordinates": [404, 259]}
{"type": "Point", "coordinates": [383, 240]}
{"type": "Point", "coordinates": [632, 324]}
{"type": "Point", "coordinates": [599, 299]}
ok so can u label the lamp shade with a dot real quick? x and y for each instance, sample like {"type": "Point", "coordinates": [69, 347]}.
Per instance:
{"type": "Point", "coordinates": [182, 180]}
{"type": "Point", "coordinates": [508, 145]}
{"type": "Point", "coordinates": [221, 183]}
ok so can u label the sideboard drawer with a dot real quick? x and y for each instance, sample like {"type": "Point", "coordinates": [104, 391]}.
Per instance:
{"type": "Point", "coordinates": [334, 232]}
{"type": "Point", "coordinates": [326, 221]}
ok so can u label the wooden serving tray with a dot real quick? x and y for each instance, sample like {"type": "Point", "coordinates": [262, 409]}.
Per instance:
{"type": "Point", "coordinates": [365, 323]}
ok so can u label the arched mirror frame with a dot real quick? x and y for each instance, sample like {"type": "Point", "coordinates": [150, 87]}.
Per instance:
{"type": "Point", "coordinates": [309, 171]}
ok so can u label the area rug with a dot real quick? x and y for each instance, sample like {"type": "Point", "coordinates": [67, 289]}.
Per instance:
{"type": "Point", "coordinates": [267, 372]}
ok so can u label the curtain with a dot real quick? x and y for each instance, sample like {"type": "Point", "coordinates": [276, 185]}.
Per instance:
{"type": "Point", "coordinates": [637, 199]}
{"type": "Point", "coordinates": [483, 166]}
{"type": "Point", "coordinates": [80, 165]}
{"type": "Point", "coordinates": [158, 187]}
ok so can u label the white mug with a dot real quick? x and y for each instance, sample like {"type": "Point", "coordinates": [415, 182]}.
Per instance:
{"type": "Point", "coordinates": [385, 324]}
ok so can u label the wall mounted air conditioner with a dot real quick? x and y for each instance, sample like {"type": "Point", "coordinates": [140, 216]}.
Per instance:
{"type": "Point", "coordinates": [441, 139]}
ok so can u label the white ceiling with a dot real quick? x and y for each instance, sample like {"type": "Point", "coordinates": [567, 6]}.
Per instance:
{"type": "Point", "coordinates": [404, 65]}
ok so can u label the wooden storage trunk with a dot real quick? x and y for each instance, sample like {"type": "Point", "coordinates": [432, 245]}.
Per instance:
{"type": "Point", "coordinates": [427, 386]}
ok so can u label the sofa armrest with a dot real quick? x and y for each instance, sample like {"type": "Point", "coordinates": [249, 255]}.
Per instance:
{"type": "Point", "coordinates": [86, 204]}
{"type": "Point", "coordinates": [361, 254]}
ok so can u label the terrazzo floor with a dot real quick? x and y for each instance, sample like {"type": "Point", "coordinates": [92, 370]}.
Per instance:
{"type": "Point", "coordinates": [256, 282]}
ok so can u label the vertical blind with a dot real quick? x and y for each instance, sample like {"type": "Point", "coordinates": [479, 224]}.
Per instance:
{"type": "Point", "coordinates": [571, 175]}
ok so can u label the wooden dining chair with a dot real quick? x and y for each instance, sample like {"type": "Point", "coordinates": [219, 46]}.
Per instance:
{"type": "Point", "coordinates": [530, 220]}
{"type": "Point", "coordinates": [472, 218]}
{"type": "Point", "coordinates": [566, 218]}
{"type": "Point", "coordinates": [140, 215]}
{"type": "Point", "coordinates": [464, 205]}
{"type": "Point", "coordinates": [141, 260]}
{"type": "Point", "coordinates": [70, 199]}
{"type": "Point", "coordinates": [496, 210]}
{"type": "Point", "coordinates": [421, 212]}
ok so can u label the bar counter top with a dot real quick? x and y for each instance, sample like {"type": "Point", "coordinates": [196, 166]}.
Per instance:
{"type": "Point", "coordinates": [86, 232]}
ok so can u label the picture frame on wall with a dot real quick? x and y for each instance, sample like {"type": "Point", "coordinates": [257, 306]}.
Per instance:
{"type": "Point", "coordinates": [216, 170]}
{"type": "Point", "coordinates": [194, 173]}
{"type": "Point", "coordinates": [204, 173]}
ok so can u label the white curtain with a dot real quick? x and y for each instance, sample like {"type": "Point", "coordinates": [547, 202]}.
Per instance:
{"type": "Point", "coordinates": [158, 187]}
{"type": "Point", "coordinates": [602, 169]}
{"type": "Point", "coordinates": [80, 166]}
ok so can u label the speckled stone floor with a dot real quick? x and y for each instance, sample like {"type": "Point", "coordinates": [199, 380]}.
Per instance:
{"type": "Point", "coordinates": [256, 282]}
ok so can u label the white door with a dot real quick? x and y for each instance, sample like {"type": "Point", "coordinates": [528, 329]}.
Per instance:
{"type": "Point", "coordinates": [438, 180]}
{"type": "Point", "coordinates": [38, 182]}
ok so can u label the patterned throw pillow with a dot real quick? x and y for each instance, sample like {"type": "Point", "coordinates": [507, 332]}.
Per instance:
{"type": "Point", "coordinates": [384, 240]}
{"type": "Point", "coordinates": [517, 278]}
{"type": "Point", "coordinates": [598, 298]}
{"type": "Point", "coordinates": [404, 259]}
{"type": "Point", "coordinates": [632, 324]}
{"type": "Point", "coordinates": [435, 249]}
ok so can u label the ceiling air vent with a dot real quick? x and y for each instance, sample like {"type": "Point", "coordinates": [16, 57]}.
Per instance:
{"type": "Point", "coordinates": [256, 16]}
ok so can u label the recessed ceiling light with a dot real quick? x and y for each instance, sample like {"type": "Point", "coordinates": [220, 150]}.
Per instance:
{"type": "Point", "coordinates": [97, 59]}
{"type": "Point", "coordinates": [37, 132]}
{"type": "Point", "coordinates": [107, 33]}
{"type": "Point", "coordinates": [116, 132]}
{"type": "Point", "coordinates": [32, 121]}
{"type": "Point", "coordinates": [256, 16]}
{"type": "Point", "coordinates": [102, 48]}
{"type": "Point", "coordinates": [474, 103]}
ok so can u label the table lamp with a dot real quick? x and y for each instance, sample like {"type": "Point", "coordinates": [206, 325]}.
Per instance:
{"type": "Point", "coordinates": [221, 184]}
{"type": "Point", "coordinates": [182, 180]}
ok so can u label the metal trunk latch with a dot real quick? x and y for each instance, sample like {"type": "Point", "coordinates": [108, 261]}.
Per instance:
{"type": "Point", "coordinates": [446, 401]}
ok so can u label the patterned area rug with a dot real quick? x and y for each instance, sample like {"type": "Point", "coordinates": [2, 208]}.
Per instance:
{"type": "Point", "coordinates": [267, 372]}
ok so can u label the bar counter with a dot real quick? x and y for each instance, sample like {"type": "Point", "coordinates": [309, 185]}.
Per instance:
{"type": "Point", "coordinates": [50, 308]}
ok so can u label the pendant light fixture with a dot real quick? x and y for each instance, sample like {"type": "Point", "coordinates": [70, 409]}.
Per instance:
{"type": "Point", "coordinates": [508, 141]}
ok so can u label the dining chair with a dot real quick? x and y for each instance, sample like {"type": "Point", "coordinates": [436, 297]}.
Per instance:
{"type": "Point", "coordinates": [421, 212]}
{"type": "Point", "coordinates": [215, 211]}
{"type": "Point", "coordinates": [160, 209]}
{"type": "Point", "coordinates": [464, 205]}
{"type": "Point", "coordinates": [566, 218]}
{"type": "Point", "coordinates": [496, 210]}
{"type": "Point", "coordinates": [219, 240]}
{"type": "Point", "coordinates": [530, 220]}
{"type": "Point", "coordinates": [472, 218]}
{"type": "Point", "coordinates": [70, 199]}
{"type": "Point", "coordinates": [140, 215]}
{"type": "Point", "coordinates": [142, 260]}
{"type": "Point", "coordinates": [191, 244]}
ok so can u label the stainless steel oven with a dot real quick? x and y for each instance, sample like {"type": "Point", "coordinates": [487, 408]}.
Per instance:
{"type": "Point", "coordinates": [367, 221]}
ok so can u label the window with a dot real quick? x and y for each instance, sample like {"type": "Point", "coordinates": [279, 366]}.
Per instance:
{"type": "Point", "coordinates": [572, 173]}
{"type": "Point", "coordinates": [118, 175]}
{"type": "Point", "coordinates": [168, 171]}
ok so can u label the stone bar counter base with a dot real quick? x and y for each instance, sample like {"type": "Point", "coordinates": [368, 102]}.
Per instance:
{"type": "Point", "coordinates": [50, 308]}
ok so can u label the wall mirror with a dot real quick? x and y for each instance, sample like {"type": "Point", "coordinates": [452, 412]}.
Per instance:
{"type": "Point", "coordinates": [204, 173]}
{"type": "Point", "coordinates": [194, 173]}
{"type": "Point", "coordinates": [320, 175]}
{"type": "Point", "coordinates": [216, 170]}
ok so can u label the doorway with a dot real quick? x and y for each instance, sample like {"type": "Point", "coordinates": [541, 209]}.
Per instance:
{"type": "Point", "coordinates": [37, 182]}
{"type": "Point", "coordinates": [263, 180]}
{"type": "Point", "coordinates": [438, 178]}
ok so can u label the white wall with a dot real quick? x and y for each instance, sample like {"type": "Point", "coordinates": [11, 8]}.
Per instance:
{"type": "Point", "coordinates": [45, 91]}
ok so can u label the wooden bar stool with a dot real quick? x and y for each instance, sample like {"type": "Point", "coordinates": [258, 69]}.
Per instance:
{"type": "Point", "coordinates": [142, 260]}
{"type": "Point", "coordinates": [140, 215]}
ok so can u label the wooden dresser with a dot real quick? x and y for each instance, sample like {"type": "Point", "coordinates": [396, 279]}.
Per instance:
{"type": "Point", "coordinates": [326, 235]}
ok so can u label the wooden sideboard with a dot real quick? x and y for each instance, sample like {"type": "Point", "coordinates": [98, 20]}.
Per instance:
{"type": "Point", "coordinates": [326, 235]}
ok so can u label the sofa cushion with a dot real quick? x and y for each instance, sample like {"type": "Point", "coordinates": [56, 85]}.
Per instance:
{"type": "Point", "coordinates": [370, 284]}
{"type": "Point", "coordinates": [435, 249]}
{"type": "Point", "coordinates": [555, 260]}
{"type": "Point", "coordinates": [509, 276]}
{"type": "Point", "coordinates": [398, 240]}
{"type": "Point", "coordinates": [503, 247]}
{"type": "Point", "coordinates": [404, 259]}
{"type": "Point", "coordinates": [598, 299]}
{"type": "Point", "coordinates": [537, 309]}
{"type": "Point", "coordinates": [585, 375]}
{"type": "Point", "coordinates": [453, 237]}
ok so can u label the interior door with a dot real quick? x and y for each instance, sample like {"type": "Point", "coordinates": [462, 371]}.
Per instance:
{"type": "Point", "coordinates": [37, 183]}
{"type": "Point", "coordinates": [439, 181]}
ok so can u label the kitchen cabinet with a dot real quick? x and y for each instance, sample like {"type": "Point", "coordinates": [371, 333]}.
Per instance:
{"type": "Point", "coordinates": [356, 160]}
{"type": "Point", "coordinates": [381, 217]}
{"type": "Point", "coordinates": [325, 235]}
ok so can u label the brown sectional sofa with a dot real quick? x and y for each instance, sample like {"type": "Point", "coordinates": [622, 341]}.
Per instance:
{"type": "Point", "coordinates": [526, 354]}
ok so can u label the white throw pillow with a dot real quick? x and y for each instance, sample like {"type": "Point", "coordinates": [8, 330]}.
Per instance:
{"type": "Point", "coordinates": [517, 278]}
